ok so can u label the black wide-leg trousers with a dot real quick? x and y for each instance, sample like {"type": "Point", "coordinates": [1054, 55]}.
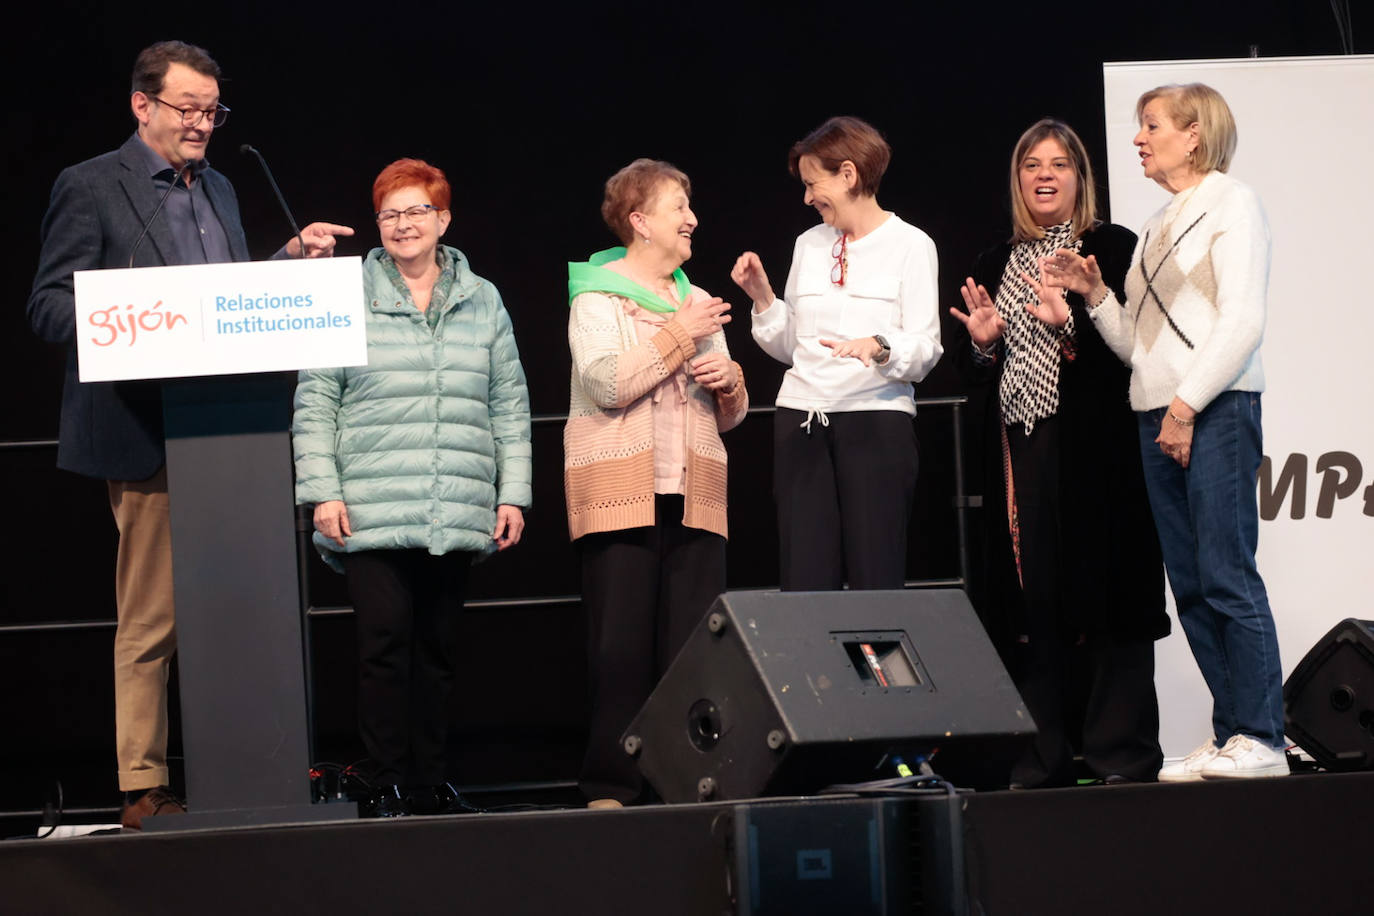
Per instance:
{"type": "Point", "coordinates": [844, 487]}
{"type": "Point", "coordinates": [1093, 686]}
{"type": "Point", "coordinates": [406, 605]}
{"type": "Point", "coordinates": [644, 589]}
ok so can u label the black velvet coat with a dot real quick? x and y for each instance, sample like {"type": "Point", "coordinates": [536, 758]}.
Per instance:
{"type": "Point", "coordinates": [1113, 580]}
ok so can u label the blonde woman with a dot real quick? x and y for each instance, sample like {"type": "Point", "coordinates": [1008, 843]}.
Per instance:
{"type": "Point", "coordinates": [1189, 323]}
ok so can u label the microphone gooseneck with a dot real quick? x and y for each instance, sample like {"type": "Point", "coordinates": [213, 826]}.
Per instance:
{"type": "Point", "coordinates": [248, 149]}
{"type": "Point", "coordinates": [165, 194]}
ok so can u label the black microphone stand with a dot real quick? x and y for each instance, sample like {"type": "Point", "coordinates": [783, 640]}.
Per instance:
{"type": "Point", "coordinates": [165, 194]}
{"type": "Point", "coordinates": [248, 150]}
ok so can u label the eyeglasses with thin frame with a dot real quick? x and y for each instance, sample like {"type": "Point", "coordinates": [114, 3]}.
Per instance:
{"type": "Point", "coordinates": [839, 271]}
{"type": "Point", "coordinates": [414, 214]}
{"type": "Point", "coordinates": [191, 116]}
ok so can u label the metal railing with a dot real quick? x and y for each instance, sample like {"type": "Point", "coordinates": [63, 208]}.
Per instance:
{"type": "Point", "coordinates": [962, 504]}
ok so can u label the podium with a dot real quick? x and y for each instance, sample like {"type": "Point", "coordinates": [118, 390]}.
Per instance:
{"type": "Point", "coordinates": [227, 415]}
{"type": "Point", "coordinates": [240, 624]}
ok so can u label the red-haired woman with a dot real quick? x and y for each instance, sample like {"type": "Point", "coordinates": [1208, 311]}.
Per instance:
{"type": "Point", "coordinates": [653, 386]}
{"type": "Point", "coordinates": [858, 325]}
{"type": "Point", "coordinates": [417, 464]}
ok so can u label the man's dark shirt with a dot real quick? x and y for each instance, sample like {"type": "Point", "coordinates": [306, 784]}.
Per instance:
{"type": "Point", "coordinates": [200, 238]}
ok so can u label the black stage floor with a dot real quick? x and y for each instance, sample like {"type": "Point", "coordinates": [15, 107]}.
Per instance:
{"type": "Point", "coordinates": [1300, 845]}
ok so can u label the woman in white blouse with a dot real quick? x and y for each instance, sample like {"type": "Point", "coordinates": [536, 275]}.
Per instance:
{"type": "Point", "coordinates": [858, 324]}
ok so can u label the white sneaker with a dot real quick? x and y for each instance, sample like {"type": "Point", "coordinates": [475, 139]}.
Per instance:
{"type": "Point", "coordinates": [1189, 769]}
{"type": "Point", "coordinates": [1244, 758]}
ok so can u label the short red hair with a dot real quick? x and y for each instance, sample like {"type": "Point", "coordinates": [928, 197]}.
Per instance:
{"type": "Point", "coordinates": [412, 173]}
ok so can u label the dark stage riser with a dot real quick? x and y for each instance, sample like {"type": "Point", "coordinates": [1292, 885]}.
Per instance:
{"type": "Point", "coordinates": [651, 860]}
{"type": "Point", "coordinates": [1300, 845]}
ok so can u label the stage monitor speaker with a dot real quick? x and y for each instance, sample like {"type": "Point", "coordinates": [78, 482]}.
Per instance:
{"type": "Point", "coordinates": [788, 692]}
{"type": "Point", "coordinates": [1328, 700]}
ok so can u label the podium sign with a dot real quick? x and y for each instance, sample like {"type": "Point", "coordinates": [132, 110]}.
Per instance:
{"type": "Point", "coordinates": [227, 339]}
{"type": "Point", "coordinates": [219, 319]}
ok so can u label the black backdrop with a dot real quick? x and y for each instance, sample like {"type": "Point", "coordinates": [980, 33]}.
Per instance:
{"type": "Point", "coordinates": [529, 109]}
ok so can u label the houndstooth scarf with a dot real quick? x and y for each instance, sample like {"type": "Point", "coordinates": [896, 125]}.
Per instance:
{"type": "Point", "coordinates": [1032, 349]}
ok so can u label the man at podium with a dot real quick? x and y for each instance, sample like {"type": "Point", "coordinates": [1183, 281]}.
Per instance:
{"type": "Point", "coordinates": [152, 202]}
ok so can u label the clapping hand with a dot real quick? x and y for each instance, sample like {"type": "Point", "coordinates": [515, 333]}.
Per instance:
{"type": "Point", "coordinates": [1066, 269]}
{"type": "Point", "coordinates": [702, 316]}
{"type": "Point", "coordinates": [1049, 304]}
{"type": "Point", "coordinates": [985, 326]}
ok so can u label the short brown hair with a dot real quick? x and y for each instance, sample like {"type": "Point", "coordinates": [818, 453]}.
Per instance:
{"type": "Point", "coordinates": [150, 69]}
{"type": "Point", "coordinates": [1023, 227]}
{"type": "Point", "coordinates": [412, 173]}
{"type": "Point", "coordinates": [845, 138]}
{"type": "Point", "coordinates": [1198, 103]}
{"type": "Point", "coordinates": [633, 188]}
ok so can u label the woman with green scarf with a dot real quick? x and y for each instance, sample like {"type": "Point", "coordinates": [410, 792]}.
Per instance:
{"type": "Point", "coordinates": [653, 387]}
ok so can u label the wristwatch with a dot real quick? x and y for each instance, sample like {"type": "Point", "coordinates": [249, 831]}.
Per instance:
{"type": "Point", "coordinates": [886, 351]}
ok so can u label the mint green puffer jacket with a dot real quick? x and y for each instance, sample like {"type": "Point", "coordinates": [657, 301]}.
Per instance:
{"type": "Point", "coordinates": [431, 435]}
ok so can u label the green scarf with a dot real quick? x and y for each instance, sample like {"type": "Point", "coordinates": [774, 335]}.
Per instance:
{"type": "Point", "coordinates": [590, 277]}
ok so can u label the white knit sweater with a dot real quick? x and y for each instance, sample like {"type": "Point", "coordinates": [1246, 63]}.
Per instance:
{"type": "Point", "coordinates": [1207, 256]}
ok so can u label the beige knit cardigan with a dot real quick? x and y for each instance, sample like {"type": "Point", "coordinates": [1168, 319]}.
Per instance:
{"type": "Point", "coordinates": [608, 442]}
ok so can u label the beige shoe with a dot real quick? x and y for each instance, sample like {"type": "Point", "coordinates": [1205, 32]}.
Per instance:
{"type": "Point", "coordinates": [1189, 769]}
{"type": "Point", "coordinates": [603, 804]}
{"type": "Point", "coordinates": [1245, 758]}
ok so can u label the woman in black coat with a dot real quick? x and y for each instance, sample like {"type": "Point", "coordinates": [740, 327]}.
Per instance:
{"type": "Point", "coordinates": [1073, 582]}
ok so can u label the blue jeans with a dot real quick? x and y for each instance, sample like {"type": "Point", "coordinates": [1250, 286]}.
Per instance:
{"type": "Point", "coordinates": [1208, 522]}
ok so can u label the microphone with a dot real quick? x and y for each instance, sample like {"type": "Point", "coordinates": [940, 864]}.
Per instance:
{"type": "Point", "coordinates": [192, 164]}
{"type": "Point", "coordinates": [248, 149]}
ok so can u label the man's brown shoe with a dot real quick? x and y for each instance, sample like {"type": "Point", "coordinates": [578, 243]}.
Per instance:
{"type": "Point", "coordinates": [604, 804]}
{"type": "Point", "coordinates": [155, 802]}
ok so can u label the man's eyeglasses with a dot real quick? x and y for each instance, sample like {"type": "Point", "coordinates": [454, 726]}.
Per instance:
{"type": "Point", "coordinates": [192, 116]}
{"type": "Point", "coordinates": [414, 214]}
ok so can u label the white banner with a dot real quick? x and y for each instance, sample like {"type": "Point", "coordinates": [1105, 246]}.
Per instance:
{"type": "Point", "coordinates": [1305, 135]}
{"type": "Point", "coordinates": [219, 319]}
